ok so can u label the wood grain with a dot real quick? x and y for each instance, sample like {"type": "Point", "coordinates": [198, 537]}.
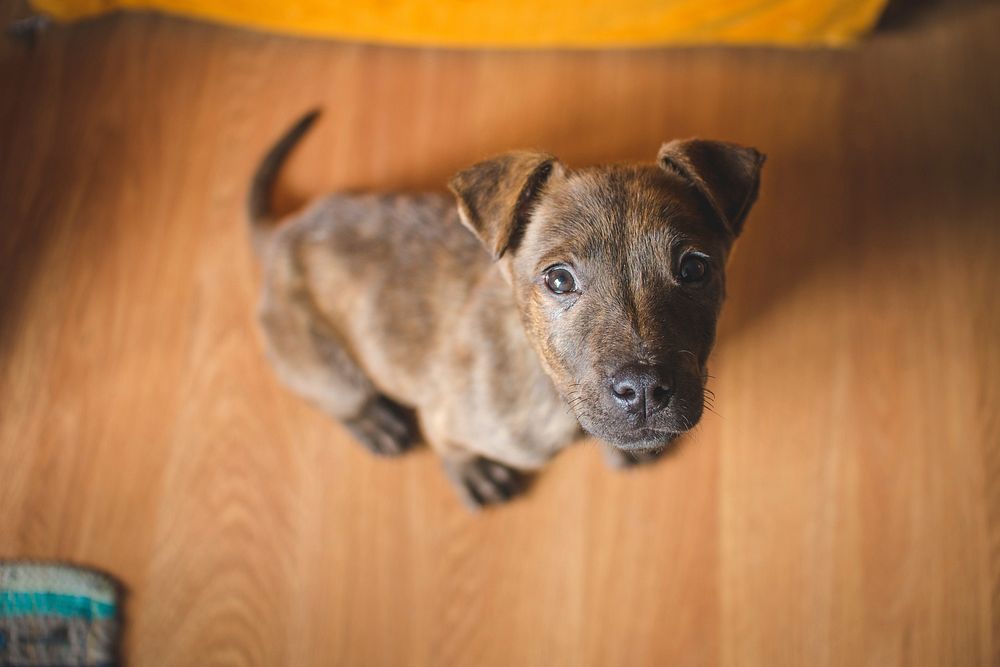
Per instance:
{"type": "Point", "coordinates": [842, 508]}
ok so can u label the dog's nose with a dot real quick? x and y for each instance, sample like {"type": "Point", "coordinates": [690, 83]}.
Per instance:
{"type": "Point", "coordinates": [641, 389]}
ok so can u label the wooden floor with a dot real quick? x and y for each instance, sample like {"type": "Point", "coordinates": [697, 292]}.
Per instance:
{"type": "Point", "coordinates": [843, 508]}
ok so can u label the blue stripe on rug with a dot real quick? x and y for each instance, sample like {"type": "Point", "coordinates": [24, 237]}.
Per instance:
{"type": "Point", "coordinates": [46, 603]}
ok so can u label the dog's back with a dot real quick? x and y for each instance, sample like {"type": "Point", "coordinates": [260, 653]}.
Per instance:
{"type": "Point", "coordinates": [379, 269]}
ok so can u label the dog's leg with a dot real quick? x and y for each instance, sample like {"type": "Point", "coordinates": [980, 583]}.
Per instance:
{"type": "Point", "coordinates": [311, 360]}
{"type": "Point", "coordinates": [383, 426]}
{"type": "Point", "coordinates": [481, 481]}
{"type": "Point", "coordinates": [478, 479]}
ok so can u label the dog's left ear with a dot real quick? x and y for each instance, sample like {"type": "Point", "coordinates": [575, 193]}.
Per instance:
{"type": "Point", "coordinates": [495, 197]}
{"type": "Point", "coordinates": [726, 175]}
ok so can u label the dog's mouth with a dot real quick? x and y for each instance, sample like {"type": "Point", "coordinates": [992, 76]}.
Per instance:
{"type": "Point", "coordinates": [619, 433]}
{"type": "Point", "coordinates": [637, 440]}
{"type": "Point", "coordinates": [646, 440]}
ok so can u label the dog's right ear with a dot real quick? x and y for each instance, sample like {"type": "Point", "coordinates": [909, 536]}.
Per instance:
{"type": "Point", "coordinates": [495, 197]}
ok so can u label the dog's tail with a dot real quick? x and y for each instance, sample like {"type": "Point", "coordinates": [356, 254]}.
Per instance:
{"type": "Point", "coordinates": [259, 214]}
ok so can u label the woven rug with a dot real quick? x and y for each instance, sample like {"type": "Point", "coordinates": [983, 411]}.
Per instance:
{"type": "Point", "coordinates": [57, 615]}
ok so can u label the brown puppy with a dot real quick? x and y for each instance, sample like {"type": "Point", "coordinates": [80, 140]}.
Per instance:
{"type": "Point", "coordinates": [594, 305]}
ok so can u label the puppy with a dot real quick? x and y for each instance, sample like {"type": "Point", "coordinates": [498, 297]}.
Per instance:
{"type": "Point", "coordinates": [593, 307]}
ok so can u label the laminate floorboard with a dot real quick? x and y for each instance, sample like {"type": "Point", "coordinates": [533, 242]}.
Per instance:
{"type": "Point", "coordinates": [842, 507]}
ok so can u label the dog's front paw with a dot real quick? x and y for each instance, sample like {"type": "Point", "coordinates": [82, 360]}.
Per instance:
{"type": "Point", "coordinates": [620, 459]}
{"type": "Point", "coordinates": [482, 482]}
{"type": "Point", "coordinates": [384, 427]}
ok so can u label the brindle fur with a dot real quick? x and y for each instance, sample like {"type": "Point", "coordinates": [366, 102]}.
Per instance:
{"type": "Point", "coordinates": [387, 314]}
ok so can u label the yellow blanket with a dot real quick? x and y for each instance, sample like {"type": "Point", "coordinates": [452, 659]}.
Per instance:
{"type": "Point", "coordinates": [526, 23]}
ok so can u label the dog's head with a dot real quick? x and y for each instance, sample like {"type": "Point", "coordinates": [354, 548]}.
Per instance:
{"type": "Point", "coordinates": [619, 274]}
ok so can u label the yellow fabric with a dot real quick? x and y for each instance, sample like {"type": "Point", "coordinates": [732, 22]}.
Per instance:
{"type": "Point", "coordinates": [526, 23]}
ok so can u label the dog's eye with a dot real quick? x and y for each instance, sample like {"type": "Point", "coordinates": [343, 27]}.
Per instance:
{"type": "Point", "coordinates": [694, 269]}
{"type": "Point", "coordinates": [559, 280]}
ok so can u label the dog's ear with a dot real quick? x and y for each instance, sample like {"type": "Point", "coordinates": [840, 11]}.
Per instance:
{"type": "Point", "coordinates": [495, 197]}
{"type": "Point", "coordinates": [726, 175]}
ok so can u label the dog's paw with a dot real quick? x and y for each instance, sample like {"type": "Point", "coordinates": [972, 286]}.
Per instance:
{"type": "Point", "coordinates": [482, 482]}
{"type": "Point", "coordinates": [622, 460]}
{"type": "Point", "coordinates": [384, 427]}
